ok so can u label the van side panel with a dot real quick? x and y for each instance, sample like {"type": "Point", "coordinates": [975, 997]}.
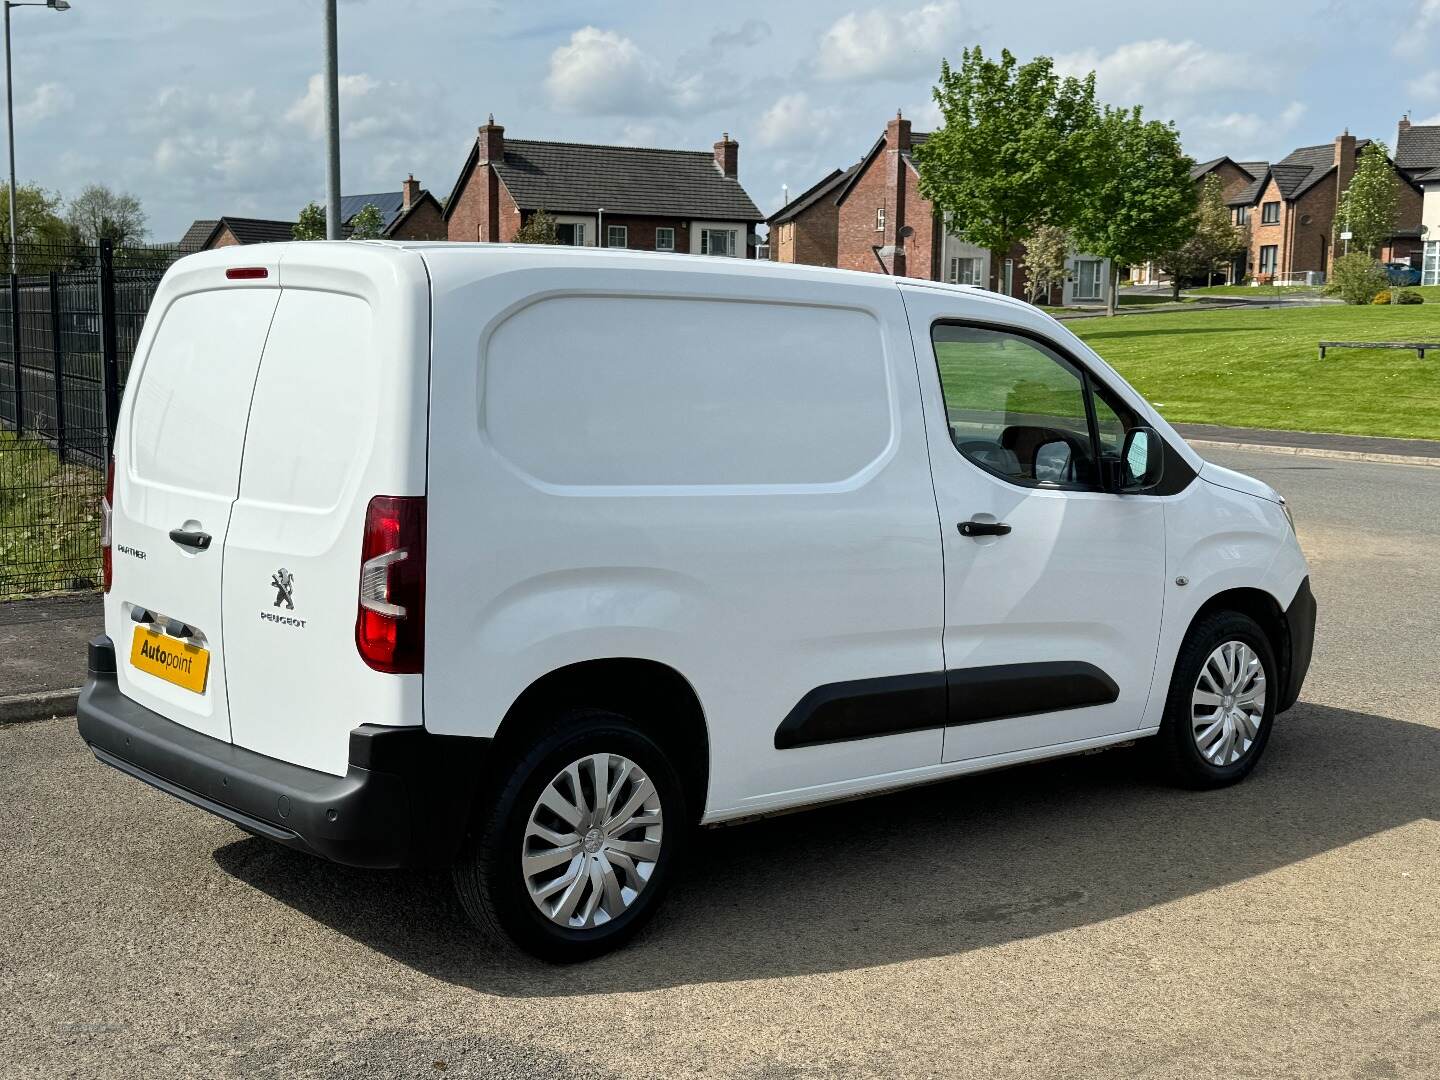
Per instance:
{"type": "Point", "coordinates": [725, 473]}
{"type": "Point", "coordinates": [337, 418]}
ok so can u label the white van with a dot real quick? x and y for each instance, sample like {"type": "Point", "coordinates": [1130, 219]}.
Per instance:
{"type": "Point", "coordinates": [527, 560]}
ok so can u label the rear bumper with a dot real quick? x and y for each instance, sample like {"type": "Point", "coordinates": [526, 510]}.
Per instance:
{"type": "Point", "coordinates": [404, 801]}
{"type": "Point", "coordinates": [1300, 620]}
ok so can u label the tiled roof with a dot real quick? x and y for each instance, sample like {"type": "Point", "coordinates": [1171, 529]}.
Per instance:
{"type": "Point", "coordinates": [1254, 168]}
{"type": "Point", "coordinates": [581, 178]}
{"type": "Point", "coordinates": [195, 236]}
{"type": "Point", "coordinates": [1247, 195]}
{"type": "Point", "coordinates": [259, 230]}
{"type": "Point", "coordinates": [1251, 168]}
{"type": "Point", "coordinates": [1417, 150]}
{"type": "Point", "coordinates": [809, 198]}
{"type": "Point", "coordinates": [387, 202]}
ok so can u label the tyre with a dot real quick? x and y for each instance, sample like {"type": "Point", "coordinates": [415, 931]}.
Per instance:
{"type": "Point", "coordinates": [576, 848]}
{"type": "Point", "coordinates": [1221, 703]}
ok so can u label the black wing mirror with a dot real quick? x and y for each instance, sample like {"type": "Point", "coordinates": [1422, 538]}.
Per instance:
{"type": "Point", "coordinates": [1142, 461]}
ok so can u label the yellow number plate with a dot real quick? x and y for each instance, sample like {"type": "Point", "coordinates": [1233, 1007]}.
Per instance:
{"type": "Point", "coordinates": [170, 659]}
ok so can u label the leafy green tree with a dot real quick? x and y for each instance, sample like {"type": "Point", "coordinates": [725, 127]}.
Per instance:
{"type": "Point", "coordinates": [45, 241]}
{"type": "Point", "coordinates": [311, 223]}
{"type": "Point", "coordinates": [1357, 278]}
{"type": "Point", "coordinates": [367, 224]}
{"type": "Point", "coordinates": [1137, 197]}
{"type": "Point", "coordinates": [539, 228]}
{"type": "Point", "coordinates": [1045, 257]}
{"type": "Point", "coordinates": [1008, 157]}
{"type": "Point", "coordinates": [1367, 207]}
{"type": "Point", "coordinates": [98, 213]}
{"type": "Point", "coordinates": [1216, 238]}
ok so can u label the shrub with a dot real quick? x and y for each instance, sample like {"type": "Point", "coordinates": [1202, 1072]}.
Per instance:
{"type": "Point", "coordinates": [1382, 297]}
{"type": "Point", "coordinates": [1408, 296]}
{"type": "Point", "coordinates": [1358, 278]}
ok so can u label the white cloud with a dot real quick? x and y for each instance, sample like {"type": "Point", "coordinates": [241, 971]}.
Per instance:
{"type": "Point", "coordinates": [1239, 134]}
{"type": "Point", "coordinates": [369, 108]}
{"type": "Point", "coordinates": [601, 73]}
{"type": "Point", "coordinates": [881, 43]}
{"type": "Point", "coordinates": [49, 99]}
{"type": "Point", "coordinates": [1416, 37]}
{"type": "Point", "coordinates": [1426, 85]}
{"type": "Point", "coordinates": [1159, 70]}
{"type": "Point", "coordinates": [794, 121]}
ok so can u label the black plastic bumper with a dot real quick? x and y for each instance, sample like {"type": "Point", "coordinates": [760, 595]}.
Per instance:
{"type": "Point", "coordinates": [1300, 620]}
{"type": "Point", "coordinates": [405, 800]}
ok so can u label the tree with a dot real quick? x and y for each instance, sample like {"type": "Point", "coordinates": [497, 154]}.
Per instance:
{"type": "Point", "coordinates": [1008, 157]}
{"type": "Point", "coordinates": [1045, 257]}
{"type": "Point", "coordinates": [311, 223]}
{"type": "Point", "coordinates": [1367, 207]}
{"type": "Point", "coordinates": [1216, 238]}
{"type": "Point", "coordinates": [539, 228]}
{"type": "Point", "coordinates": [1138, 199]}
{"type": "Point", "coordinates": [367, 224]}
{"type": "Point", "coordinates": [1357, 278]}
{"type": "Point", "coordinates": [98, 213]}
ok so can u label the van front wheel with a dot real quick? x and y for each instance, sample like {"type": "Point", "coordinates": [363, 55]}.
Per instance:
{"type": "Point", "coordinates": [578, 844]}
{"type": "Point", "coordinates": [1221, 704]}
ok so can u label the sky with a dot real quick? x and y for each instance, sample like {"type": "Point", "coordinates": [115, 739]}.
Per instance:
{"type": "Point", "coordinates": [209, 107]}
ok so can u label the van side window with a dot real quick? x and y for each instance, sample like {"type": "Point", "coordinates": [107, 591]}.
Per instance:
{"type": "Point", "coordinates": [1018, 408]}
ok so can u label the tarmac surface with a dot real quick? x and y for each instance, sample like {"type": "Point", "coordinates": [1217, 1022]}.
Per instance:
{"type": "Point", "coordinates": [1071, 919]}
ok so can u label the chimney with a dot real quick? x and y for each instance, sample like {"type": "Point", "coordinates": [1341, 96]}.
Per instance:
{"type": "Point", "coordinates": [897, 134]}
{"type": "Point", "coordinates": [1344, 160]}
{"type": "Point", "coordinates": [727, 156]}
{"type": "Point", "coordinates": [409, 192]}
{"type": "Point", "coordinates": [897, 144]}
{"type": "Point", "coordinates": [492, 140]}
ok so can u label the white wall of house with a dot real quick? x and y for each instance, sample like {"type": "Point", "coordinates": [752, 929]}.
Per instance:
{"type": "Point", "coordinates": [1430, 233]}
{"type": "Point", "coordinates": [1087, 280]}
{"type": "Point", "coordinates": [738, 231]}
{"type": "Point", "coordinates": [964, 264]}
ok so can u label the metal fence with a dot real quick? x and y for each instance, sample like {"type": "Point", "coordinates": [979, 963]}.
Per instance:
{"type": "Point", "coordinates": [69, 321]}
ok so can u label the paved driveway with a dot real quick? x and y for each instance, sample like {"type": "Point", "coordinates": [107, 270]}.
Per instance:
{"type": "Point", "coordinates": [1069, 919]}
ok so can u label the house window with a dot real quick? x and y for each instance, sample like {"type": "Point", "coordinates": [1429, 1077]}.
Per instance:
{"type": "Point", "coordinates": [879, 219]}
{"type": "Point", "coordinates": [1269, 258]}
{"type": "Point", "coordinates": [617, 236]}
{"type": "Point", "coordinates": [717, 242]}
{"type": "Point", "coordinates": [1242, 215]}
{"type": "Point", "coordinates": [1087, 279]}
{"type": "Point", "coordinates": [664, 239]}
{"type": "Point", "coordinates": [1430, 267]}
{"type": "Point", "coordinates": [1270, 214]}
{"type": "Point", "coordinates": [964, 271]}
{"type": "Point", "coordinates": [572, 234]}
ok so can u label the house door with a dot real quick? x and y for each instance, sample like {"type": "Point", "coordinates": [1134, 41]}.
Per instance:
{"type": "Point", "coordinates": [1087, 279]}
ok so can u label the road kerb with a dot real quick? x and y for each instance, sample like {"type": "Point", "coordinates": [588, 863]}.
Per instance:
{"type": "Point", "coordinates": [23, 708]}
{"type": "Point", "coordinates": [1315, 451]}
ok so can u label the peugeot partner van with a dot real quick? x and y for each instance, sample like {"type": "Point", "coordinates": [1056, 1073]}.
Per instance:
{"type": "Point", "coordinates": [528, 560]}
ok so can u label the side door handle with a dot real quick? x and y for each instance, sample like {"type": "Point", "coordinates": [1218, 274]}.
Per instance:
{"type": "Point", "coordinates": [983, 528]}
{"type": "Point", "coordinates": [200, 541]}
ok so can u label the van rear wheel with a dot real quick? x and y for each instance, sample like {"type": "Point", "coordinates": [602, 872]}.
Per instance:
{"type": "Point", "coordinates": [1221, 703]}
{"type": "Point", "coordinates": [578, 844]}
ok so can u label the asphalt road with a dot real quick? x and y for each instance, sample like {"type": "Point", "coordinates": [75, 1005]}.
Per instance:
{"type": "Point", "coordinates": [1071, 919]}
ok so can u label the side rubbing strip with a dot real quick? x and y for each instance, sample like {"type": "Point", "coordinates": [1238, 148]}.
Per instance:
{"type": "Point", "coordinates": [866, 708]}
{"type": "Point", "coordinates": [838, 712]}
{"type": "Point", "coordinates": [1004, 690]}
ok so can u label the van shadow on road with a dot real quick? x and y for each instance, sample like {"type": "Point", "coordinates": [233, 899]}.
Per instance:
{"type": "Point", "coordinates": [928, 872]}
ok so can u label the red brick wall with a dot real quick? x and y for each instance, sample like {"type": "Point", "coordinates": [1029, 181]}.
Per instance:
{"type": "Point", "coordinates": [1263, 235]}
{"type": "Point", "coordinates": [470, 211]}
{"type": "Point", "coordinates": [922, 246]}
{"type": "Point", "coordinates": [510, 216]}
{"type": "Point", "coordinates": [641, 231]}
{"type": "Point", "coordinates": [225, 238]}
{"type": "Point", "coordinates": [810, 237]}
{"type": "Point", "coordinates": [856, 236]}
{"type": "Point", "coordinates": [424, 223]}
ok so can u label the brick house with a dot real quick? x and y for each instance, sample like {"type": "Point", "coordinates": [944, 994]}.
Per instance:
{"type": "Point", "coordinates": [1236, 178]}
{"type": "Point", "coordinates": [411, 213]}
{"type": "Point", "coordinates": [613, 196]}
{"type": "Point", "coordinates": [872, 217]}
{"type": "Point", "coordinates": [1417, 158]}
{"type": "Point", "coordinates": [1290, 209]}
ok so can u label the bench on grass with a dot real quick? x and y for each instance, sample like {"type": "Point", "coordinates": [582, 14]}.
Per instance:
{"type": "Point", "coordinates": [1418, 346]}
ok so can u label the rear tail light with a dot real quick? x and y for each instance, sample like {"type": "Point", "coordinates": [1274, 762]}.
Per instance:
{"type": "Point", "coordinates": [107, 513]}
{"type": "Point", "coordinates": [390, 623]}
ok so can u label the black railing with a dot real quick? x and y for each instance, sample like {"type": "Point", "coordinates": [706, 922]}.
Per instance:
{"type": "Point", "coordinates": [69, 322]}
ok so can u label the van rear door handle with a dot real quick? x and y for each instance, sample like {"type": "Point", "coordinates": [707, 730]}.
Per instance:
{"type": "Point", "coordinates": [983, 528]}
{"type": "Point", "coordinates": [197, 540]}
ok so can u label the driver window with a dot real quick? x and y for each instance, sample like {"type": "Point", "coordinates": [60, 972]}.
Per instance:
{"type": "Point", "coordinates": [1016, 408]}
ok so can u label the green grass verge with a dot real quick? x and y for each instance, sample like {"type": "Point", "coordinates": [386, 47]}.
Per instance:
{"type": "Point", "coordinates": [1261, 369]}
{"type": "Point", "coordinates": [49, 520]}
{"type": "Point", "coordinates": [1255, 290]}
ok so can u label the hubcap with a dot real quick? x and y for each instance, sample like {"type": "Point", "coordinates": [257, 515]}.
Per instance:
{"type": "Point", "coordinates": [592, 841]}
{"type": "Point", "coordinates": [1228, 703]}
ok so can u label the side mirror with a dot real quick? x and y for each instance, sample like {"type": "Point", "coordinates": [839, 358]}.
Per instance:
{"type": "Point", "coordinates": [1142, 460]}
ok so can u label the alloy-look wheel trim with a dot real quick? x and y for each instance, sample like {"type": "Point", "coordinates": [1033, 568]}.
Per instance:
{"type": "Point", "coordinates": [592, 841]}
{"type": "Point", "coordinates": [1227, 705]}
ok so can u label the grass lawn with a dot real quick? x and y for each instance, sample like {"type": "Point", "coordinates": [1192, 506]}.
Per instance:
{"type": "Point", "coordinates": [1255, 290]}
{"type": "Point", "coordinates": [1260, 368]}
{"type": "Point", "coordinates": [49, 520]}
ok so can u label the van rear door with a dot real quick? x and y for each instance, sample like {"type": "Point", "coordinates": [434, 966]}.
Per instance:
{"type": "Point", "coordinates": [177, 462]}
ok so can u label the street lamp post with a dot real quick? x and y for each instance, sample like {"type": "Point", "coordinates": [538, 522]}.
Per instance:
{"type": "Point", "coordinates": [57, 5]}
{"type": "Point", "coordinates": [332, 125]}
